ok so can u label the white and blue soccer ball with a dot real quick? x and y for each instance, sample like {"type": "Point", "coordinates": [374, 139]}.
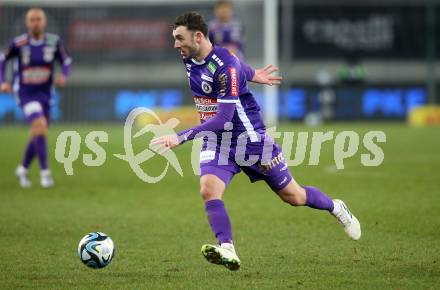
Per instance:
{"type": "Point", "coordinates": [96, 250]}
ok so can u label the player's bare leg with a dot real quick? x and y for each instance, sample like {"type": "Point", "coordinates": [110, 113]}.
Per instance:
{"type": "Point", "coordinates": [39, 133]}
{"type": "Point", "coordinates": [296, 195]}
{"type": "Point", "coordinates": [212, 189]}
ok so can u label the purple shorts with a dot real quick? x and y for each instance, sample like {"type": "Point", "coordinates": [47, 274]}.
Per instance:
{"type": "Point", "coordinates": [270, 167]}
{"type": "Point", "coordinates": [33, 109]}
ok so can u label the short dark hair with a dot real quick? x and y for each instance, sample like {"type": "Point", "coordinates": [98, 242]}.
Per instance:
{"type": "Point", "coordinates": [193, 21]}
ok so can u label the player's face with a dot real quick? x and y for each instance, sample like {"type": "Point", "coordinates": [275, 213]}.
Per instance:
{"type": "Point", "coordinates": [223, 13]}
{"type": "Point", "coordinates": [35, 22]}
{"type": "Point", "coordinates": [185, 42]}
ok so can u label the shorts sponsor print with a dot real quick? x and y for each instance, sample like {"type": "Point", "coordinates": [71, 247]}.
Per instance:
{"type": "Point", "coordinates": [226, 163]}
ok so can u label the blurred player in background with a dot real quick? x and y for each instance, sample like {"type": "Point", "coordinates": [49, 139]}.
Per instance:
{"type": "Point", "coordinates": [226, 106]}
{"type": "Point", "coordinates": [35, 54]}
{"type": "Point", "coordinates": [226, 31]}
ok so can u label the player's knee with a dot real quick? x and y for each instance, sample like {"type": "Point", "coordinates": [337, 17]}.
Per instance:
{"type": "Point", "coordinates": [211, 187]}
{"type": "Point", "coordinates": [208, 192]}
{"type": "Point", "coordinates": [39, 127]}
{"type": "Point", "coordinates": [295, 196]}
{"type": "Point", "coordinates": [296, 199]}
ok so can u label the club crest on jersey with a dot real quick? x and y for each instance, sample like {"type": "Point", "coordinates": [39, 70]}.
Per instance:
{"type": "Point", "coordinates": [48, 53]}
{"type": "Point", "coordinates": [206, 87]}
{"type": "Point", "coordinates": [217, 60]}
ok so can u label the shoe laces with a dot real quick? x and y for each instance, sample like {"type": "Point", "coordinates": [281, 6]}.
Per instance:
{"type": "Point", "coordinates": [344, 216]}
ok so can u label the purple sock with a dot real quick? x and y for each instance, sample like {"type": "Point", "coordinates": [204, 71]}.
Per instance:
{"type": "Point", "coordinates": [317, 199]}
{"type": "Point", "coordinates": [219, 220]}
{"type": "Point", "coordinates": [29, 154]}
{"type": "Point", "coordinates": [41, 149]}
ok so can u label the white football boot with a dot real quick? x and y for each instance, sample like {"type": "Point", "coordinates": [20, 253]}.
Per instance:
{"type": "Point", "coordinates": [22, 175]}
{"type": "Point", "coordinates": [350, 223]}
{"type": "Point", "coordinates": [222, 255]}
{"type": "Point", "coordinates": [46, 179]}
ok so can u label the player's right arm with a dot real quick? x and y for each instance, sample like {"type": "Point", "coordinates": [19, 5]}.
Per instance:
{"type": "Point", "coordinates": [227, 86]}
{"type": "Point", "coordinates": [9, 53]}
{"type": "Point", "coordinates": [227, 80]}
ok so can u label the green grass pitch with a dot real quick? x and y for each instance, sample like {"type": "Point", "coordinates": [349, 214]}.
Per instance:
{"type": "Point", "coordinates": [158, 229]}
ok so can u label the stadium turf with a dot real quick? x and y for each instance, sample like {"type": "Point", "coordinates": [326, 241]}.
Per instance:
{"type": "Point", "coordinates": [159, 228]}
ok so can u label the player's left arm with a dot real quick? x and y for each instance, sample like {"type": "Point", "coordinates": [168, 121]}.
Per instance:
{"type": "Point", "coordinates": [262, 75]}
{"type": "Point", "coordinates": [65, 61]}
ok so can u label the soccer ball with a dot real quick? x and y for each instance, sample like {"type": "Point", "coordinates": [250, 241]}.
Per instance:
{"type": "Point", "coordinates": [96, 250]}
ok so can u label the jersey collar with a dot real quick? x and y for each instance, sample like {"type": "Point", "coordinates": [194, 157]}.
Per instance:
{"type": "Point", "coordinates": [34, 42]}
{"type": "Point", "coordinates": [206, 58]}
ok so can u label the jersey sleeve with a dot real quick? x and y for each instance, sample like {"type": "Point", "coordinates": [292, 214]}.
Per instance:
{"type": "Point", "coordinates": [227, 83]}
{"type": "Point", "coordinates": [248, 70]}
{"type": "Point", "coordinates": [10, 52]}
{"type": "Point", "coordinates": [63, 57]}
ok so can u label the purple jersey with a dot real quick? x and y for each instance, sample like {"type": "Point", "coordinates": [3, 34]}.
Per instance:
{"type": "Point", "coordinates": [221, 78]}
{"type": "Point", "coordinates": [34, 66]}
{"type": "Point", "coordinates": [229, 35]}
{"type": "Point", "coordinates": [221, 94]}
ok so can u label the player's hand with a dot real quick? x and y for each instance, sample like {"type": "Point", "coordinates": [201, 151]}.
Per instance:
{"type": "Point", "coordinates": [61, 81]}
{"type": "Point", "coordinates": [164, 143]}
{"type": "Point", "coordinates": [5, 87]}
{"type": "Point", "coordinates": [264, 76]}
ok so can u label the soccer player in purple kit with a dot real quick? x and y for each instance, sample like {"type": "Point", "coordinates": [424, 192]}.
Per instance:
{"type": "Point", "coordinates": [35, 54]}
{"type": "Point", "coordinates": [226, 31]}
{"type": "Point", "coordinates": [218, 81]}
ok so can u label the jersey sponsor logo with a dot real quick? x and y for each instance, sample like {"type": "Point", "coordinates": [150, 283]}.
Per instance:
{"type": "Point", "coordinates": [206, 87]}
{"type": "Point", "coordinates": [36, 75]}
{"type": "Point", "coordinates": [206, 78]}
{"type": "Point", "coordinates": [206, 107]}
{"type": "Point", "coordinates": [212, 67]}
{"type": "Point", "coordinates": [223, 80]}
{"type": "Point", "coordinates": [234, 83]}
{"type": "Point", "coordinates": [217, 60]}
